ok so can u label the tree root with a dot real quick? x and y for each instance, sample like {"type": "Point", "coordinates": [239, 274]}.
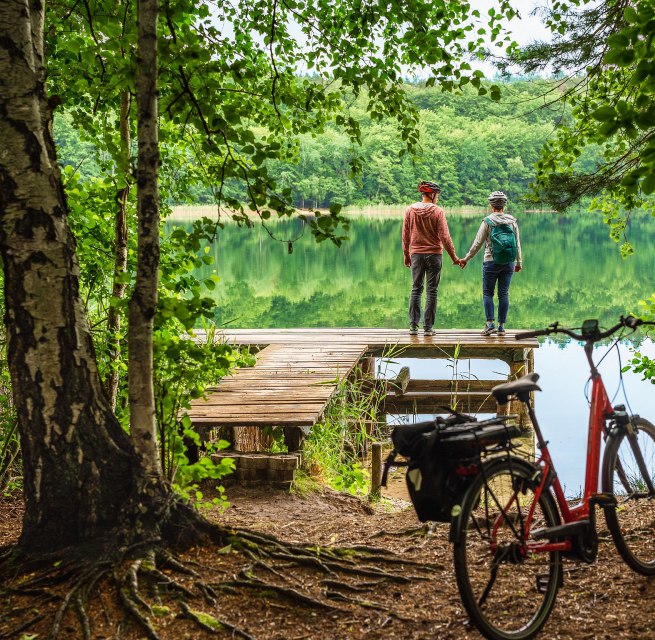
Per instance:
{"type": "Point", "coordinates": [344, 586]}
{"type": "Point", "coordinates": [216, 623]}
{"type": "Point", "coordinates": [132, 608]}
{"type": "Point", "coordinates": [83, 617]}
{"type": "Point", "coordinates": [141, 577]}
{"type": "Point", "coordinates": [13, 633]}
{"type": "Point", "coordinates": [286, 592]}
{"type": "Point", "coordinates": [411, 531]}
{"type": "Point", "coordinates": [366, 604]}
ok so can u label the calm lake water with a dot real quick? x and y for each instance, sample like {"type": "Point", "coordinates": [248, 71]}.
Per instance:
{"type": "Point", "coordinates": [572, 271]}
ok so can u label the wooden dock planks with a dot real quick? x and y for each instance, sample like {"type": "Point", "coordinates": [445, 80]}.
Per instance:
{"type": "Point", "coordinates": [290, 386]}
{"type": "Point", "coordinates": [297, 370]}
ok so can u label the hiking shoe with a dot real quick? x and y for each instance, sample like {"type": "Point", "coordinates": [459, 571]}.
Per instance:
{"type": "Point", "coordinates": [413, 329]}
{"type": "Point", "coordinates": [501, 331]}
{"type": "Point", "coordinates": [428, 331]}
{"type": "Point", "coordinates": [489, 329]}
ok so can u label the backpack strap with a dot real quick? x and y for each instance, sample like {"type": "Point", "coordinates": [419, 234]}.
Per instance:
{"type": "Point", "coordinates": [489, 222]}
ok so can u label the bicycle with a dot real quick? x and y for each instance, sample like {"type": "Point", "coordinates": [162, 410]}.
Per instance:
{"type": "Point", "coordinates": [514, 524]}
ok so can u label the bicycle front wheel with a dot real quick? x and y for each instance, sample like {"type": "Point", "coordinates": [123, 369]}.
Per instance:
{"type": "Point", "coordinates": [629, 474]}
{"type": "Point", "coordinates": [507, 587]}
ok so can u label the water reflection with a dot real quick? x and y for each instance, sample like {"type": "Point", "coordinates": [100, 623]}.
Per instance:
{"type": "Point", "coordinates": [561, 406]}
{"type": "Point", "coordinates": [572, 271]}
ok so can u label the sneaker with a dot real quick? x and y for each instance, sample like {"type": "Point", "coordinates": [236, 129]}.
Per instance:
{"type": "Point", "coordinates": [428, 331]}
{"type": "Point", "coordinates": [413, 329]}
{"type": "Point", "coordinates": [501, 330]}
{"type": "Point", "coordinates": [489, 329]}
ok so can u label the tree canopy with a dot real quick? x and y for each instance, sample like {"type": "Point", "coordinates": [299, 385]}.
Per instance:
{"type": "Point", "coordinates": [604, 51]}
{"type": "Point", "coordinates": [236, 87]}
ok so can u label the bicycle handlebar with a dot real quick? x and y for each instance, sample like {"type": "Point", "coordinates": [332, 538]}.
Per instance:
{"type": "Point", "coordinates": [631, 322]}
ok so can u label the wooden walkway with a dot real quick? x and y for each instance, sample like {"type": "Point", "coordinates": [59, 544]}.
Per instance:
{"type": "Point", "coordinates": [298, 370]}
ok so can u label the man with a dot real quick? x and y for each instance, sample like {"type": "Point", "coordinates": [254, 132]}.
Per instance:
{"type": "Point", "coordinates": [425, 235]}
{"type": "Point", "coordinates": [499, 233]}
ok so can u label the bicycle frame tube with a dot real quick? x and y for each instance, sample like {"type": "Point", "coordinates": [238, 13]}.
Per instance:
{"type": "Point", "coordinates": [600, 410]}
{"type": "Point", "coordinates": [547, 468]}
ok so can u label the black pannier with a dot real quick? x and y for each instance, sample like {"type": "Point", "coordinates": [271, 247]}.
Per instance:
{"type": "Point", "coordinates": [443, 457]}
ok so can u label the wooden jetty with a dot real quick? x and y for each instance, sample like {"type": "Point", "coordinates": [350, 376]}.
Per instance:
{"type": "Point", "coordinates": [297, 372]}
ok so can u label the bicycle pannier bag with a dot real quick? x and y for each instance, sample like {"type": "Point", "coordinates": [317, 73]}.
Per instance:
{"type": "Point", "coordinates": [443, 457]}
{"type": "Point", "coordinates": [433, 485]}
{"type": "Point", "coordinates": [503, 242]}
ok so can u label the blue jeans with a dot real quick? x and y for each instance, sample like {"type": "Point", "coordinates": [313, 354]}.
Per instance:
{"type": "Point", "coordinates": [493, 273]}
{"type": "Point", "coordinates": [425, 266]}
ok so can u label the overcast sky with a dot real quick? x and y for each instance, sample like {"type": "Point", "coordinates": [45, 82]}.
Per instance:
{"type": "Point", "coordinates": [525, 30]}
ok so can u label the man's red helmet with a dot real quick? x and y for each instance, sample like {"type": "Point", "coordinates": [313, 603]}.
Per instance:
{"type": "Point", "coordinates": [429, 187]}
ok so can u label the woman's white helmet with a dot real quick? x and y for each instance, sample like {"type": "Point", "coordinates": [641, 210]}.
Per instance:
{"type": "Point", "coordinates": [497, 199]}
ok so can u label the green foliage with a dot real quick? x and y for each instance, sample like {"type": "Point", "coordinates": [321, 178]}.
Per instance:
{"type": "Point", "coordinates": [467, 143]}
{"type": "Point", "coordinates": [230, 90]}
{"type": "Point", "coordinates": [611, 110]}
{"type": "Point", "coordinates": [184, 369]}
{"type": "Point", "coordinates": [335, 444]}
{"type": "Point", "coordinates": [10, 462]}
{"type": "Point", "coordinates": [641, 363]}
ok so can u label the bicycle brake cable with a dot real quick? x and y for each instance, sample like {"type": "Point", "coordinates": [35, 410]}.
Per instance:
{"type": "Point", "coordinates": [622, 386]}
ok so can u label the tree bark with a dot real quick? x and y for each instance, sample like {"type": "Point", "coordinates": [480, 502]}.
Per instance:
{"type": "Point", "coordinates": [120, 251]}
{"type": "Point", "coordinates": [143, 303]}
{"type": "Point", "coordinates": [79, 466]}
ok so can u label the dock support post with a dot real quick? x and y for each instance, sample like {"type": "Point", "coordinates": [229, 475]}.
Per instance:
{"type": "Point", "coordinates": [376, 470]}
{"type": "Point", "coordinates": [293, 438]}
{"type": "Point", "coordinates": [521, 365]}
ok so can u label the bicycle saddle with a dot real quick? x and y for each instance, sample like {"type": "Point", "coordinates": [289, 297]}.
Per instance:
{"type": "Point", "coordinates": [502, 392]}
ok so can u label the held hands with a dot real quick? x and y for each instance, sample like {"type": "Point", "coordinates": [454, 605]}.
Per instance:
{"type": "Point", "coordinates": [517, 268]}
{"type": "Point", "coordinates": [460, 263]}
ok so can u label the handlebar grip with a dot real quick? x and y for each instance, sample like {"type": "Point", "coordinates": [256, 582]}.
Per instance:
{"type": "Point", "coordinates": [631, 322]}
{"type": "Point", "coordinates": [531, 334]}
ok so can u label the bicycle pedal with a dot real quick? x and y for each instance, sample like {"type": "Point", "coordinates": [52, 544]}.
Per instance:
{"type": "Point", "coordinates": [603, 499]}
{"type": "Point", "coordinates": [543, 579]}
{"type": "Point", "coordinates": [561, 530]}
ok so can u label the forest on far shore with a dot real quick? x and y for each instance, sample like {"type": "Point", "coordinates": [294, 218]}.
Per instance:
{"type": "Point", "coordinates": [469, 144]}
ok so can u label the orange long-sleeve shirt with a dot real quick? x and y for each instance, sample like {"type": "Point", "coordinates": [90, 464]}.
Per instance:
{"type": "Point", "coordinates": [425, 230]}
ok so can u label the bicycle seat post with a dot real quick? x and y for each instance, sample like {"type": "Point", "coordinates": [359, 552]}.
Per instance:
{"type": "Point", "coordinates": [524, 397]}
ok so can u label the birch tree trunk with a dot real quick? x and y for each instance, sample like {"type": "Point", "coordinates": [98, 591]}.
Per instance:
{"type": "Point", "coordinates": [120, 250]}
{"type": "Point", "coordinates": [79, 466]}
{"type": "Point", "coordinates": [144, 299]}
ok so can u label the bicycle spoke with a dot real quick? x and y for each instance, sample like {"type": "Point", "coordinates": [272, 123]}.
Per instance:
{"type": "Point", "coordinates": [628, 472]}
{"type": "Point", "coordinates": [507, 590]}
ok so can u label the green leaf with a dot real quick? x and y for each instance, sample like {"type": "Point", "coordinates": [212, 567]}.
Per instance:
{"type": "Point", "coordinates": [648, 184]}
{"type": "Point", "coordinates": [630, 15]}
{"type": "Point", "coordinates": [604, 113]}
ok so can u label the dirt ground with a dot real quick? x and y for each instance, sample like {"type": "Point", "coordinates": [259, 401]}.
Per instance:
{"type": "Point", "coordinates": [605, 600]}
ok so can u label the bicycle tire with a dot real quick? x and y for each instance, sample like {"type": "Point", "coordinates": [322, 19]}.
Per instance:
{"type": "Point", "coordinates": [631, 521]}
{"type": "Point", "coordinates": [522, 593]}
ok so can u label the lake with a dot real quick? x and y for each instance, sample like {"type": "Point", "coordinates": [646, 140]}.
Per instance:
{"type": "Point", "coordinates": [572, 271]}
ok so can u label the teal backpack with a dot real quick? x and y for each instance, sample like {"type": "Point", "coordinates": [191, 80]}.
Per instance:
{"type": "Point", "coordinates": [503, 242]}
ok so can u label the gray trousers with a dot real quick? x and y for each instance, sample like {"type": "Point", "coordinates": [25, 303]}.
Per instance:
{"type": "Point", "coordinates": [426, 267]}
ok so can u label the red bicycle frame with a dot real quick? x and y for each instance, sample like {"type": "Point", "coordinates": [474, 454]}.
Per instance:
{"type": "Point", "coordinates": [599, 411]}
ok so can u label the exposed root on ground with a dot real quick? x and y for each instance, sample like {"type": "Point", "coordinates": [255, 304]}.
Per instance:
{"type": "Point", "coordinates": [148, 579]}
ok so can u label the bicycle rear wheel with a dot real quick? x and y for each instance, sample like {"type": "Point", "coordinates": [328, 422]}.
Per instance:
{"type": "Point", "coordinates": [632, 521]}
{"type": "Point", "coordinates": [507, 590]}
